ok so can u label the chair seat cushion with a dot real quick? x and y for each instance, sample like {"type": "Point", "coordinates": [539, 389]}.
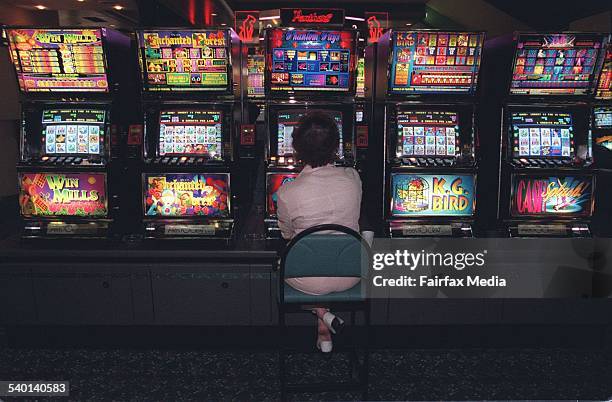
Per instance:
{"type": "Point", "coordinates": [350, 295]}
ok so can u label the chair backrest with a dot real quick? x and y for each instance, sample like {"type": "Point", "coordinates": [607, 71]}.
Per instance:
{"type": "Point", "coordinates": [317, 252]}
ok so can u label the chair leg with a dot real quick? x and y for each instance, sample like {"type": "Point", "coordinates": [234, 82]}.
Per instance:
{"type": "Point", "coordinates": [282, 374]}
{"type": "Point", "coordinates": [366, 354]}
{"type": "Point", "coordinates": [353, 356]}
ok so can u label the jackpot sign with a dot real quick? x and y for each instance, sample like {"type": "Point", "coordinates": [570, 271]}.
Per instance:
{"type": "Point", "coordinates": [552, 195]}
{"type": "Point", "coordinates": [63, 194]}
{"type": "Point", "coordinates": [432, 195]}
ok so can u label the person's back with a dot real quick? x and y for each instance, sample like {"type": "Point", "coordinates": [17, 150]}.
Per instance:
{"type": "Point", "coordinates": [322, 195]}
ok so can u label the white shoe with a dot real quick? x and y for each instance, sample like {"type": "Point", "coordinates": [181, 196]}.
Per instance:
{"type": "Point", "coordinates": [325, 346]}
{"type": "Point", "coordinates": [333, 322]}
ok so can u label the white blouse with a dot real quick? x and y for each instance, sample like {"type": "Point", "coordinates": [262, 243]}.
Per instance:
{"type": "Point", "coordinates": [323, 195]}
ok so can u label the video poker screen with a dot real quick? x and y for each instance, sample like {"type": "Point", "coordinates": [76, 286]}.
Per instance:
{"type": "Point", "coordinates": [73, 131]}
{"type": "Point", "coordinates": [427, 133]}
{"type": "Point", "coordinates": [311, 60]}
{"type": "Point", "coordinates": [59, 60]}
{"type": "Point", "coordinates": [274, 182]}
{"type": "Point", "coordinates": [418, 195]}
{"type": "Point", "coordinates": [435, 62]}
{"type": "Point", "coordinates": [176, 195]}
{"type": "Point", "coordinates": [185, 60]}
{"type": "Point", "coordinates": [288, 120]}
{"type": "Point", "coordinates": [51, 194]}
{"type": "Point", "coordinates": [191, 132]}
{"type": "Point", "coordinates": [602, 127]}
{"type": "Point", "coordinates": [562, 64]}
{"type": "Point", "coordinates": [542, 134]}
{"type": "Point", "coordinates": [604, 83]}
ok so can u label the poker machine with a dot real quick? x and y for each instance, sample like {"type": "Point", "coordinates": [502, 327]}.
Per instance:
{"type": "Point", "coordinates": [547, 181]}
{"type": "Point", "coordinates": [69, 84]}
{"type": "Point", "coordinates": [426, 84]}
{"type": "Point", "coordinates": [307, 68]}
{"type": "Point", "coordinates": [601, 117]}
{"type": "Point", "coordinates": [601, 135]}
{"type": "Point", "coordinates": [192, 100]}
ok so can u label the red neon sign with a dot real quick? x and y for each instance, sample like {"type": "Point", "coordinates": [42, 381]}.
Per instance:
{"type": "Point", "coordinates": [312, 18]}
{"type": "Point", "coordinates": [377, 23]}
{"type": "Point", "coordinates": [246, 26]}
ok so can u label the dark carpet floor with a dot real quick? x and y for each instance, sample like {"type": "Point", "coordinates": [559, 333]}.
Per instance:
{"type": "Point", "coordinates": [251, 375]}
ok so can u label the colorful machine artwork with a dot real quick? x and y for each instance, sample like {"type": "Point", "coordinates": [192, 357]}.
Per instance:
{"type": "Point", "coordinates": [275, 181]}
{"type": "Point", "coordinates": [311, 60]}
{"type": "Point", "coordinates": [561, 196]}
{"type": "Point", "coordinates": [562, 64]}
{"type": "Point", "coordinates": [187, 194]}
{"type": "Point", "coordinates": [416, 195]}
{"type": "Point", "coordinates": [185, 60]}
{"type": "Point", "coordinates": [434, 62]}
{"type": "Point", "coordinates": [46, 194]}
{"type": "Point", "coordinates": [604, 83]}
{"type": "Point", "coordinates": [54, 60]}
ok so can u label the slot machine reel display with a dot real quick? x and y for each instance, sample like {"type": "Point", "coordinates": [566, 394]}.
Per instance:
{"type": "Point", "coordinates": [427, 88]}
{"type": "Point", "coordinates": [306, 70]}
{"type": "Point", "coordinates": [547, 180]}
{"type": "Point", "coordinates": [65, 159]}
{"type": "Point", "coordinates": [190, 103]}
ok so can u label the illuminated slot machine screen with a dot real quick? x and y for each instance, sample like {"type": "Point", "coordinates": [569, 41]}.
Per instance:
{"type": "Point", "coordinates": [288, 120]}
{"type": "Point", "coordinates": [562, 64]}
{"type": "Point", "coordinates": [427, 133]}
{"type": "Point", "coordinates": [178, 195]}
{"type": "Point", "coordinates": [602, 127]}
{"type": "Point", "coordinates": [192, 133]}
{"type": "Point", "coordinates": [604, 84]}
{"type": "Point", "coordinates": [443, 195]}
{"type": "Point", "coordinates": [185, 60]}
{"type": "Point", "coordinates": [311, 60]}
{"type": "Point", "coordinates": [59, 60]}
{"type": "Point", "coordinates": [542, 135]}
{"type": "Point", "coordinates": [435, 62]}
{"type": "Point", "coordinates": [73, 131]}
{"type": "Point", "coordinates": [553, 196]}
{"type": "Point", "coordinates": [255, 69]}
{"type": "Point", "coordinates": [53, 194]}
{"type": "Point", "coordinates": [274, 182]}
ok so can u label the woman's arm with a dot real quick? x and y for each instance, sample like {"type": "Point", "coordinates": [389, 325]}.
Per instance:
{"type": "Point", "coordinates": [284, 217]}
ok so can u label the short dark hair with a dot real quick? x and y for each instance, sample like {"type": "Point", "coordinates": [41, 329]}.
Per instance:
{"type": "Point", "coordinates": [316, 139]}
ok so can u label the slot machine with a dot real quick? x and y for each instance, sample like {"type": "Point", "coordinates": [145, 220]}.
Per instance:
{"type": "Point", "coordinates": [601, 119]}
{"type": "Point", "coordinates": [601, 135]}
{"type": "Point", "coordinates": [69, 129]}
{"type": "Point", "coordinates": [191, 95]}
{"type": "Point", "coordinates": [306, 69]}
{"type": "Point", "coordinates": [425, 104]}
{"type": "Point", "coordinates": [547, 181]}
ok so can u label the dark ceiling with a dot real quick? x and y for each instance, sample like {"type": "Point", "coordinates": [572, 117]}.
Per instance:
{"type": "Point", "coordinates": [550, 14]}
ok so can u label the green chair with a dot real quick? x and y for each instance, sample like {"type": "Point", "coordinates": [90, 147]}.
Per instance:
{"type": "Point", "coordinates": [317, 252]}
